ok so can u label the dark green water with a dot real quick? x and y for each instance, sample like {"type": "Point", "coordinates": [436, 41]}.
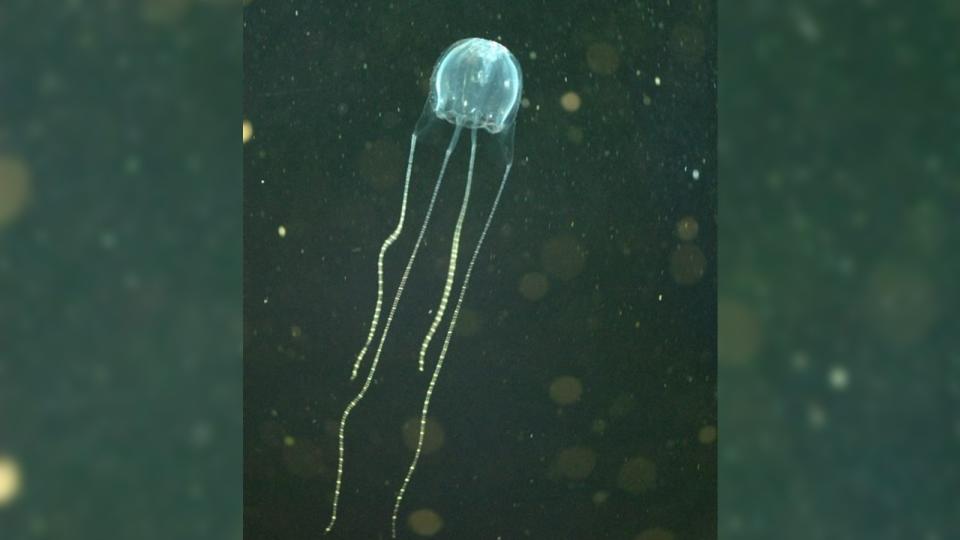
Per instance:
{"type": "Point", "coordinates": [120, 266]}
{"type": "Point", "coordinates": [120, 274]}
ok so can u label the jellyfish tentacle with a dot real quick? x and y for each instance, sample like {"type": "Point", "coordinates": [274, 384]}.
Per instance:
{"type": "Point", "coordinates": [452, 264]}
{"type": "Point", "coordinates": [383, 337]}
{"type": "Point", "coordinates": [425, 409]}
{"type": "Point", "coordinates": [383, 251]}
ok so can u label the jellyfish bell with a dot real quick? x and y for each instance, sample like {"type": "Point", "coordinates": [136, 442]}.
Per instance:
{"type": "Point", "coordinates": [476, 84]}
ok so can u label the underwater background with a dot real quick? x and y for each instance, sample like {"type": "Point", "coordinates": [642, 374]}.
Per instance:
{"type": "Point", "coordinates": [121, 265]}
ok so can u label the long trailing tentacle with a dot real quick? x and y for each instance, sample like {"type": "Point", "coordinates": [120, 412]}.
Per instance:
{"type": "Point", "coordinates": [386, 328]}
{"type": "Point", "coordinates": [452, 264]}
{"type": "Point", "coordinates": [443, 351]}
{"type": "Point", "coordinates": [383, 251]}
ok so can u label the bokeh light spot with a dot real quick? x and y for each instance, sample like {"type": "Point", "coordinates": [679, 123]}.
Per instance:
{"type": "Point", "coordinates": [14, 188]}
{"type": "Point", "coordinates": [687, 264]}
{"type": "Point", "coordinates": [600, 497]}
{"type": "Point", "coordinates": [637, 475]}
{"type": "Point", "coordinates": [470, 323]}
{"type": "Point", "coordinates": [425, 522]}
{"type": "Point", "coordinates": [707, 434]}
{"type": "Point", "coordinates": [602, 58]}
{"type": "Point", "coordinates": [570, 101]}
{"type": "Point", "coordinates": [9, 480]}
{"type": "Point", "coordinates": [838, 378]}
{"type": "Point", "coordinates": [534, 286]}
{"type": "Point", "coordinates": [566, 390]}
{"type": "Point", "coordinates": [433, 435]}
{"type": "Point", "coordinates": [687, 228]}
{"type": "Point", "coordinates": [163, 11]}
{"type": "Point", "coordinates": [576, 463]}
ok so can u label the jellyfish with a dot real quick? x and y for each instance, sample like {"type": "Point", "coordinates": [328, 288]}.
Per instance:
{"type": "Point", "coordinates": [476, 85]}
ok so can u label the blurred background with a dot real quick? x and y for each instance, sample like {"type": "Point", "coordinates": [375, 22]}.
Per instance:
{"type": "Point", "coordinates": [839, 210]}
{"type": "Point", "coordinates": [120, 269]}
{"type": "Point", "coordinates": [578, 398]}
